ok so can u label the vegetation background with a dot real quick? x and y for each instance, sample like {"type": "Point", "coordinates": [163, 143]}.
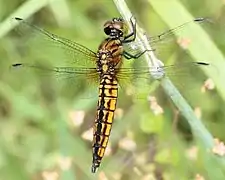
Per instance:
{"type": "Point", "coordinates": [46, 127]}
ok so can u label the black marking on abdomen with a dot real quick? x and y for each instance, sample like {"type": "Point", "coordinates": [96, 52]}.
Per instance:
{"type": "Point", "coordinates": [108, 91]}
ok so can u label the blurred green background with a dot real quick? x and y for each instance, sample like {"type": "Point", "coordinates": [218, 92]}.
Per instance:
{"type": "Point", "coordinates": [46, 126]}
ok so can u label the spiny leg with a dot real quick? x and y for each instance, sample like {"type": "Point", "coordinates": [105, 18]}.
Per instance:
{"type": "Point", "coordinates": [134, 56]}
{"type": "Point", "coordinates": [129, 37]}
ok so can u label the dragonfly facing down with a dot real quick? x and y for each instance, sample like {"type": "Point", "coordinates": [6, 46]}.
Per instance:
{"type": "Point", "coordinates": [105, 67]}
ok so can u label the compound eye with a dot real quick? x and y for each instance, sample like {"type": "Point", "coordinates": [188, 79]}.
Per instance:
{"type": "Point", "coordinates": [107, 30]}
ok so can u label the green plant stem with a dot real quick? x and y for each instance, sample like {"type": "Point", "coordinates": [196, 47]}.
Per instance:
{"type": "Point", "coordinates": [201, 134]}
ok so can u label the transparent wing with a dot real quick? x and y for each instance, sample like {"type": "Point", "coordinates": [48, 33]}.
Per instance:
{"type": "Point", "coordinates": [80, 82]}
{"type": "Point", "coordinates": [67, 72]}
{"type": "Point", "coordinates": [138, 80]}
{"type": "Point", "coordinates": [44, 43]}
{"type": "Point", "coordinates": [160, 42]}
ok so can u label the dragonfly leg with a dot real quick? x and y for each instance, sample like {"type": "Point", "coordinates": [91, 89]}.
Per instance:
{"type": "Point", "coordinates": [134, 56]}
{"type": "Point", "coordinates": [132, 36]}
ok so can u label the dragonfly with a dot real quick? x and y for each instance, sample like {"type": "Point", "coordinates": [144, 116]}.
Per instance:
{"type": "Point", "coordinates": [106, 66]}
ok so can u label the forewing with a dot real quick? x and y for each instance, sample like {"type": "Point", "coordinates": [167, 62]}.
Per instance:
{"type": "Point", "coordinates": [45, 45]}
{"type": "Point", "coordinates": [163, 41]}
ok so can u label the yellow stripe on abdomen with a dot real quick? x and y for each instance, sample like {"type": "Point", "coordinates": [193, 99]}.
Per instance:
{"type": "Point", "coordinates": [108, 92]}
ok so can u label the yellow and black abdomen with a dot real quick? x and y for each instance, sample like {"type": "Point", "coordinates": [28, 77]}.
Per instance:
{"type": "Point", "coordinates": [108, 92]}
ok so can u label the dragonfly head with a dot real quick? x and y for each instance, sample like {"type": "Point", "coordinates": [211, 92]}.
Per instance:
{"type": "Point", "coordinates": [115, 28]}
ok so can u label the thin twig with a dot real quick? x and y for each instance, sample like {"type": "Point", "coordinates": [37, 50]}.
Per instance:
{"type": "Point", "coordinates": [200, 132]}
